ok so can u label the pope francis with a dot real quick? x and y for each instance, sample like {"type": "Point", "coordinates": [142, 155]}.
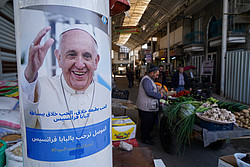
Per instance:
{"type": "Point", "coordinates": [70, 101]}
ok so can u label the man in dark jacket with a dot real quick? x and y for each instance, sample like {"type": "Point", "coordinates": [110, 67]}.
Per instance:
{"type": "Point", "coordinates": [180, 80]}
{"type": "Point", "coordinates": [162, 77]}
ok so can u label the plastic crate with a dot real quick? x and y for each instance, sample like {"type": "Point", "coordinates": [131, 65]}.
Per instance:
{"type": "Point", "coordinates": [211, 126]}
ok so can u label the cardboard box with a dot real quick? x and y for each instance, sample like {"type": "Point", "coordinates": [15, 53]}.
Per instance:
{"type": "Point", "coordinates": [123, 128]}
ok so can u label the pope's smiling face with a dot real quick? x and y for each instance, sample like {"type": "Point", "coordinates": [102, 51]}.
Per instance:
{"type": "Point", "coordinates": [78, 58]}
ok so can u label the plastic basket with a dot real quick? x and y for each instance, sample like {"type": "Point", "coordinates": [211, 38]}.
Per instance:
{"type": "Point", "coordinates": [211, 126]}
{"type": "Point", "coordinates": [2, 153]}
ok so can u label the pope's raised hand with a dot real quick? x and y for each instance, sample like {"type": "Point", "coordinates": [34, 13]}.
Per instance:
{"type": "Point", "coordinates": [37, 53]}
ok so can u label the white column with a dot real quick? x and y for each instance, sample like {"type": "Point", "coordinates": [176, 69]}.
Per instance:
{"type": "Point", "coordinates": [224, 45]}
{"type": "Point", "coordinates": [134, 59]}
{"type": "Point", "coordinates": [168, 35]}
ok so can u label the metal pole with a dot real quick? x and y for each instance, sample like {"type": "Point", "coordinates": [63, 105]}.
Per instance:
{"type": "Point", "coordinates": [223, 46]}
{"type": "Point", "coordinates": [141, 54]}
{"type": "Point", "coordinates": [151, 50]}
{"type": "Point", "coordinates": [168, 35]}
{"type": "Point", "coordinates": [168, 42]}
{"type": "Point", "coordinates": [134, 59]}
{"type": "Point", "coordinates": [151, 44]}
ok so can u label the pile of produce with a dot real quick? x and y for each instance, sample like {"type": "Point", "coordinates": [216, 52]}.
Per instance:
{"type": "Point", "coordinates": [181, 114]}
{"type": "Point", "coordinates": [208, 104]}
{"type": "Point", "coordinates": [218, 114]}
{"type": "Point", "coordinates": [183, 98]}
{"type": "Point", "coordinates": [242, 118]}
{"type": "Point", "coordinates": [1, 144]}
{"type": "Point", "coordinates": [246, 159]}
{"type": "Point", "coordinates": [201, 95]}
{"type": "Point", "coordinates": [182, 93]}
{"type": "Point", "coordinates": [17, 151]}
{"type": "Point", "coordinates": [163, 102]}
{"type": "Point", "coordinates": [182, 117]}
{"type": "Point", "coordinates": [234, 107]}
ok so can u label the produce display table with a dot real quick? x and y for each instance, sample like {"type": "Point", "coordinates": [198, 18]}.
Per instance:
{"type": "Point", "coordinates": [123, 104]}
{"type": "Point", "coordinates": [139, 157]}
{"type": "Point", "coordinates": [215, 139]}
{"type": "Point", "coordinates": [212, 136]}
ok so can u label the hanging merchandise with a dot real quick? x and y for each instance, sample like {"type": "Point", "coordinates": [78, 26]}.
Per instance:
{"type": "Point", "coordinates": [66, 121]}
{"type": "Point", "coordinates": [118, 6]}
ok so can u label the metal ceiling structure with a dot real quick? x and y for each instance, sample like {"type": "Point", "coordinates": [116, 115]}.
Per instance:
{"type": "Point", "coordinates": [156, 15]}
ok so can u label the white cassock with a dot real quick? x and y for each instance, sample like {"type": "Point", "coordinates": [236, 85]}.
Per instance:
{"type": "Point", "coordinates": [50, 112]}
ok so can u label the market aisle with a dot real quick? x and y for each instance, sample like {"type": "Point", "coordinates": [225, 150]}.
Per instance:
{"type": "Point", "coordinates": [195, 155]}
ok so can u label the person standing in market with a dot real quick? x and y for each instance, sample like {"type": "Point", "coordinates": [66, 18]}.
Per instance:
{"type": "Point", "coordinates": [130, 77]}
{"type": "Point", "coordinates": [148, 103]}
{"type": "Point", "coordinates": [162, 77]}
{"type": "Point", "coordinates": [180, 80]}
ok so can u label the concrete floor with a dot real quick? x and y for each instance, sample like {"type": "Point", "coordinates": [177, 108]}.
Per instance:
{"type": "Point", "coordinates": [195, 155]}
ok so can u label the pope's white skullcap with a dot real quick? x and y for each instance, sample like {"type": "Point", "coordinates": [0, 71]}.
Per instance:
{"type": "Point", "coordinates": [85, 27]}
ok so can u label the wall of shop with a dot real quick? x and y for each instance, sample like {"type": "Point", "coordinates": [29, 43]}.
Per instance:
{"type": "Point", "coordinates": [8, 66]}
{"type": "Point", "coordinates": [175, 37]}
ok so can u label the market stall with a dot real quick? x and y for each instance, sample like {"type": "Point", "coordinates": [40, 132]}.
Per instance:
{"type": "Point", "coordinates": [182, 116]}
{"type": "Point", "coordinates": [10, 135]}
{"type": "Point", "coordinates": [123, 104]}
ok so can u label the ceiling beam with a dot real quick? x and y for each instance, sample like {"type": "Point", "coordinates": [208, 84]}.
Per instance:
{"type": "Point", "coordinates": [159, 7]}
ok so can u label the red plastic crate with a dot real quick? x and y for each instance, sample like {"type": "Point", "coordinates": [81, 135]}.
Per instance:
{"type": "Point", "coordinates": [130, 141]}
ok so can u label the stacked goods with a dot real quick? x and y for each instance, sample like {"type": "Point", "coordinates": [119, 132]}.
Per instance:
{"type": "Point", "coordinates": [14, 155]}
{"type": "Point", "coordinates": [217, 114]}
{"type": "Point", "coordinates": [123, 128]}
{"type": "Point", "coordinates": [242, 118]}
{"type": "Point", "coordinates": [10, 138]}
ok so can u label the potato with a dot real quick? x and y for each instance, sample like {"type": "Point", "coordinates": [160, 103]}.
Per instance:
{"type": "Point", "coordinates": [241, 117]}
{"type": "Point", "coordinates": [245, 111]}
{"type": "Point", "coordinates": [237, 113]}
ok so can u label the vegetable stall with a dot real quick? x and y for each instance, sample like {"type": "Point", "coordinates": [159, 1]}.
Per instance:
{"type": "Point", "coordinates": [182, 115]}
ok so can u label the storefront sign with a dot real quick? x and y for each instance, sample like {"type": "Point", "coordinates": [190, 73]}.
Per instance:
{"type": "Point", "coordinates": [128, 29]}
{"type": "Point", "coordinates": [207, 67]}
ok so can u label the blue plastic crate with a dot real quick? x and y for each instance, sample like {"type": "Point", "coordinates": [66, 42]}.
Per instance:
{"type": "Point", "coordinates": [211, 126]}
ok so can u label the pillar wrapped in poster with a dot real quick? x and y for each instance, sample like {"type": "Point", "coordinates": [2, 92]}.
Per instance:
{"type": "Point", "coordinates": [64, 72]}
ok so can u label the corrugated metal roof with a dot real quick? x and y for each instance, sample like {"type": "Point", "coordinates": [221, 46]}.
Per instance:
{"type": "Point", "coordinates": [154, 18]}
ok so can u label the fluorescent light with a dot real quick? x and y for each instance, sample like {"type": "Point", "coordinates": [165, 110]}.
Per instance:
{"type": "Point", "coordinates": [145, 46]}
{"type": "Point", "coordinates": [137, 8]}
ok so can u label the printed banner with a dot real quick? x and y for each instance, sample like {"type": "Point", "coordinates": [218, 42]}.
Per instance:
{"type": "Point", "coordinates": [64, 82]}
{"type": "Point", "coordinates": [67, 144]}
